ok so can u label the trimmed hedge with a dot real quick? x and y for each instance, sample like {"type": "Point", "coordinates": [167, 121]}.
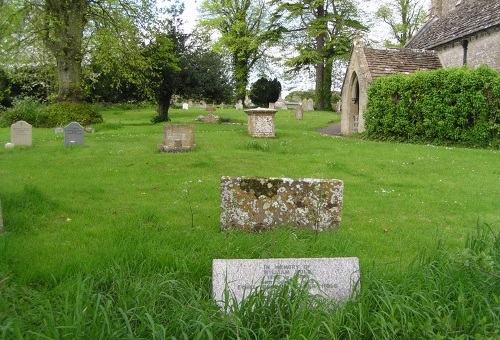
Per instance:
{"type": "Point", "coordinates": [52, 115]}
{"type": "Point", "coordinates": [457, 106]}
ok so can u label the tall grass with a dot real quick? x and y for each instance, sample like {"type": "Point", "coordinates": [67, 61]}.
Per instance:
{"type": "Point", "coordinates": [116, 240]}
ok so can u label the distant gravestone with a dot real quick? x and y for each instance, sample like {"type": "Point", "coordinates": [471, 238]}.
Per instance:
{"type": "Point", "coordinates": [259, 204]}
{"type": "Point", "coordinates": [59, 130]}
{"type": "Point", "coordinates": [21, 133]}
{"type": "Point", "coordinates": [211, 118]}
{"type": "Point", "coordinates": [271, 105]}
{"type": "Point", "coordinates": [333, 278]}
{"type": "Point", "coordinates": [74, 134]}
{"type": "Point", "coordinates": [299, 113]}
{"type": "Point", "coordinates": [177, 138]}
{"type": "Point", "coordinates": [185, 106]}
{"type": "Point", "coordinates": [310, 105]}
{"type": "Point", "coordinates": [304, 104]}
{"type": "Point", "coordinates": [239, 105]}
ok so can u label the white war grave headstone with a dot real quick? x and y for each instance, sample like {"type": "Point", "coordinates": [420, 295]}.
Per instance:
{"type": "Point", "coordinates": [74, 134]}
{"type": "Point", "coordinates": [185, 106]}
{"type": "Point", "coordinates": [21, 133]}
{"type": "Point", "coordinates": [333, 278]}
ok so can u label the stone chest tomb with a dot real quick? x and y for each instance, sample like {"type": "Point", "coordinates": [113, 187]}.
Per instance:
{"type": "Point", "coordinates": [258, 204]}
{"type": "Point", "coordinates": [261, 122]}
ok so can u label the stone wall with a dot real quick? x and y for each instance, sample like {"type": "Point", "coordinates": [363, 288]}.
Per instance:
{"type": "Point", "coordinates": [483, 48]}
{"type": "Point", "coordinates": [257, 204]}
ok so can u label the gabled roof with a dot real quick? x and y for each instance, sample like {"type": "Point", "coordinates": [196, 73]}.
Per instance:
{"type": "Point", "coordinates": [465, 20]}
{"type": "Point", "coordinates": [385, 62]}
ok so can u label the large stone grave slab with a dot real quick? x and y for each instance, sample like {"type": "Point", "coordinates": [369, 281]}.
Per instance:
{"type": "Point", "coordinates": [21, 133]}
{"type": "Point", "coordinates": [74, 134]}
{"type": "Point", "coordinates": [261, 122]}
{"type": "Point", "coordinates": [333, 278]}
{"type": "Point", "coordinates": [177, 138]}
{"type": "Point", "coordinates": [258, 204]}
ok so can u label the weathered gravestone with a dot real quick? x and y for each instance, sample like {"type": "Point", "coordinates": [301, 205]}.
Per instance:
{"type": "Point", "coordinates": [310, 105]}
{"type": "Point", "coordinates": [74, 134]}
{"type": "Point", "coordinates": [304, 104]}
{"type": "Point", "coordinates": [239, 105]}
{"type": "Point", "coordinates": [177, 138]}
{"type": "Point", "coordinates": [21, 133]}
{"type": "Point", "coordinates": [258, 204]}
{"type": "Point", "coordinates": [261, 122]}
{"type": "Point", "coordinates": [211, 118]}
{"type": "Point", "coordinates": [299, 113]}
{"type": "Point", "coordinates": [333, 278]}
{"type": "Point", "coordinates": [185, 106]}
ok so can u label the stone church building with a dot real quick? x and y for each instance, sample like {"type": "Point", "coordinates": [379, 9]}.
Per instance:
{"type": "Point", "coordinates": [458, 32]}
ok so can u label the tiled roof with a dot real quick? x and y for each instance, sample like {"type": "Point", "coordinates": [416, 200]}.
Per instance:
{"type": "Point", "coordinates": [464, 20]}
{"type": "Point", "coordinates": [384, 62]}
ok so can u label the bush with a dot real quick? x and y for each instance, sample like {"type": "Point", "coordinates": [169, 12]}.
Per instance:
{"type": "Point", "coordinates": [63, 113]}
{"type": "Point", "coordinates": [265, 91]}
{"type": "Point", "coordinates": [27, 109]}
{"type": "Point", "coordinates": [458, 106]}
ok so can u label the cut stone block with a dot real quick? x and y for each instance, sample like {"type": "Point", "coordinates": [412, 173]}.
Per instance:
{"type": "Point", "coordinates": [257, 204]}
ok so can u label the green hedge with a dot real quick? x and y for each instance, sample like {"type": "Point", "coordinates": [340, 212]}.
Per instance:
{"type": "Point", "coordinates": [457, 106]}
{"type": "Point", "coordinates": [52, 115]}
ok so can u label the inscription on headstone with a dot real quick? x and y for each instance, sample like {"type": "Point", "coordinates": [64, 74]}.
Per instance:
{"type": "Point", "coordinates": [74, 134]}
{"type": "Point", "coordinates": [21, 133]}
{"type": "Point", "coordinates": [259, 204]}
{"type": "Point", "coordinates": [334, 278]}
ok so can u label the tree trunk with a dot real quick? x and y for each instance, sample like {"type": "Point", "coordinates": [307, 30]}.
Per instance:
{"type": "Point", "coordinates": [327, 85]}
{"type": "Point", "coordinates": [241, 72]}
{"type": "Point", "coordinates": [163, 111]}
{"type": "Point", "coordinates": [320, 65]}
{"type": "Point", "coordinates": [64, 24]}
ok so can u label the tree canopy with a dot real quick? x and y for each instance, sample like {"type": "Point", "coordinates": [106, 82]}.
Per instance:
{"type": "Point", "coordinates": [246, 30]}
{"type": "Point", "coordinates": [404, 17]}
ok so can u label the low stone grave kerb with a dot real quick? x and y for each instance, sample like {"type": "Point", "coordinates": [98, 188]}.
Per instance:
{"type": "Point", "coordinates": [259, 204]}
{"type": "Point", "coordinates": [333, 278]}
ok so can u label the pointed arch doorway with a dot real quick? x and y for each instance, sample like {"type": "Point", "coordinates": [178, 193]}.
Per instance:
{"type": "Point", "coordinates": [354, 104]}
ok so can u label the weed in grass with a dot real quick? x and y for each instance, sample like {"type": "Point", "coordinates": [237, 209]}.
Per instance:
{"type": "Point", "coordinates": [256, 146]}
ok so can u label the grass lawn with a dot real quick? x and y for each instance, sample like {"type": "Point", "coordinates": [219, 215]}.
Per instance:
{"type": "Point", "coordinates": [79, 220]}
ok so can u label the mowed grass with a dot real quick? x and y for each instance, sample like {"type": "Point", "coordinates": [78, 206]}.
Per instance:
{"type": "Point", "coordinates": [116, 210]}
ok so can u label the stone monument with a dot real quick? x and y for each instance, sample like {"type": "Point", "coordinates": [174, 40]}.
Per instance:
{"type": "Point", "coordinates": [333, 278]}
{"type": "Point", "coordinates": [177, 138]}
{"type": "Point", "coordinates": [260, 204]}
{"type": "Point", "coordinates": [261, 122]}
{"type": "Point", "coordinates": [74, 134]}
{"type": "Point", "coordinates": [21, 133]}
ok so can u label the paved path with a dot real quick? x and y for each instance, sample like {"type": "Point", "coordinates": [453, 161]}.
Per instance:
{"type": "Point", "coordinates": [333, 130]}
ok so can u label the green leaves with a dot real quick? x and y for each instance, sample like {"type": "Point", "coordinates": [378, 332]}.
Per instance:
{"type": "Point", "coordinates": [452, 106]}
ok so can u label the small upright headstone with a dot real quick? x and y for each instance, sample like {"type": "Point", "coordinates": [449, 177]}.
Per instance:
{"type": "Point", "coordinates": [185, 106]}
{"type": "Point", "coordinates": [59, 130]}
{"type": "Point", "coordinates": [239, 105]}
{"type": "Point", "coordinates": [247, 101]}
{"type": "Point", "coordinates": [21, 133]}
{"type": "Point", "coordinates": [304, 104]}
{"type": "Point", "coordinates": [272, 105]}
{"type": "Point", "coordinates": [73, 134]}
{"type": "Point", "coordinates": [299, 113]}
{"type": "Point", "coordinates": [333, 278]}
{"type": "Point", "coordinates": [310, 105]}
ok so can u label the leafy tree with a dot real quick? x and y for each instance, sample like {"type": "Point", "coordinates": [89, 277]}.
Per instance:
{"type": "Point", "coordinates": [321, 32]}
{"type": "Point", "coordinates": [404, 18]}
{"type": "Point", "coordinates": [264, 91]}
{"type": "Point", "coordinates": [65, 28]}
{"type": "Point", "coordinates": [246, 31]}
